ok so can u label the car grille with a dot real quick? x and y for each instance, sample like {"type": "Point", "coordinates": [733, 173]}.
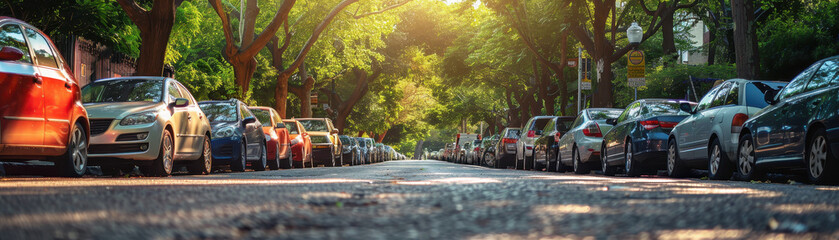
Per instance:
{"type": "Point", "coordinates": [115, 148]}
{"type": "Point", "coordinates": [226, 150]}
{"type": "Point", "coordinates": [99, 126]}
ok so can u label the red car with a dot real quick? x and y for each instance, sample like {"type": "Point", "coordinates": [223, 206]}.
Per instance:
{"type": "Point", "coordinates": [279, 152]}
{"type": "Point", "coordinates": [301, 144]}
{"type": "Point", "coordinates": [40, 103]}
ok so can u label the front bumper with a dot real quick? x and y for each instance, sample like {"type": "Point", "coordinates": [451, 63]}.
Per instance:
{"type": "Point", "coordinates": [111, 146]}
{"type": "Point", "coordinates": [226, 150]}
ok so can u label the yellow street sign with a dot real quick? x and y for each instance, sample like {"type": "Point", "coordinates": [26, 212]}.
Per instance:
{"type": "Point", "coordinates": [635, 70]}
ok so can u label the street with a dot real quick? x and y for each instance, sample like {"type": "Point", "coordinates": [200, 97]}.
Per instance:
{"type": "Point", "coordinates": [411, 200]}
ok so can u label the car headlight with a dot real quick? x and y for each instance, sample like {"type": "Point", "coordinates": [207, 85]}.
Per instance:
{"type": "Point", "coordinates": [139, 118]}
{"type": "Point", "coordinates": [224, 132]}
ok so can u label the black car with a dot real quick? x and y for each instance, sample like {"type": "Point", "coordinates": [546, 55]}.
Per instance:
{"type": "Point", "coordinates": [638, 140]}
{"type": "Point", "coordinates": [548, 143]}
{"type": "Point", "coordinates": [505, 148]}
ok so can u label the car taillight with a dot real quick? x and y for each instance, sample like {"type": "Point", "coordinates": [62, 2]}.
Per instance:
{"type": "Point", "coordinates": [652, 124]}
{"type": "Point", "coordinates": [738, 121]}
{"type": "Point", "coordinates": [557, 136]}
{"type": "Point", "coordinates": [531, 133]}
{"type": "Point", "coordinates": [476, 149]}
{"type": "Point", "coordinates": [509, 140]}
{"type": "Point", "coordinates": [592, 130]}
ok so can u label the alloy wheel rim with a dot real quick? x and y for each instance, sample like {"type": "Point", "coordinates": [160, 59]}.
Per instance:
{"type": "Point", "coordinates": [576, 159]}
{"type": "Point", "coordinates": [603, 162]}
{"type": "Point", "coordinates": [244, 153]}
{"type": "Point", "coordinates": [628, 157]}
{"type": "Point", "coordinates": [715, 160]}
{"type": "Point", "coordinates": [746, 158]}
{"type": "Point", "coordinates": [168, 152]}
{"type": "Point", "coordinates": [263, 157]}
{"type": "Point", "coordinates": [671, 158]}
{"type": "Point", "coordinates": [79, 151]}
{"type": "Point", "coordinates": [208, 158]}
{"type": "Point", "coordinates": [818, 156]}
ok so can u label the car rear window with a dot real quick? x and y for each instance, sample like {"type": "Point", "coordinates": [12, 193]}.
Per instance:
{"type": "Point", "coordinates": [564, 124]}
{"type": "Point", "coordinates": [663, 108]}
{"type": "Point", "coordinates": [219, 112]}
{"type": "Point", "coordinates": [314, 125]}
{"type": "Point", "coordinates": [512, 133]}
{"type": "Point", "coordinates": [603, 114]}
{"type": "Point", "coordinates": [539, 123]}
{"type": "Point", "coordinates": [755, 92]}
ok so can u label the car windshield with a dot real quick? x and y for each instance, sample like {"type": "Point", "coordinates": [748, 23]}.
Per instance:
{"type": "Point", "coordinates": [564, 124]}
{"type": "Point", "coordinates": [264, 116]}
{"type": "Point", "coordinates": [123, 90]}
{"type": "Point", "coordinates": [219, 112]}
{"type": "Point", "coordinates": [314, 125]}
{"type": "Point", "coordinates": [292, 128]}
{"type": "Point", "coordinates": [603, 114]}
{"type": "Point", "coordinates": [755, 92]}
{"type": "Point", "coordinates": [361, 142]}
{"type": "Point", "coordinates": [512, 133]}
{"type": "Point", "coordinates": [539, 123]}
{"type": "Point", "coordinates": [664, 108]}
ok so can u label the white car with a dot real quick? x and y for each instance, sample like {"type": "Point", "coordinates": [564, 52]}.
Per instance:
{"type": "Point", "coordinates": [579, 148]}
{"type": "Point", "coordinates": [708, 138]}
{"type": "Point", "coordinates": [529, 133]}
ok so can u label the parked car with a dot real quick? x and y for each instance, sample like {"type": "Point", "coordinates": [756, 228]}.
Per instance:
{"type": "Point", "coordinates": [707, 139]}
{"type": "Point", "coordinates": [464, 153]}
{"type": "Point", "coordinates": [460, 149]}
{"type": "Point", "coordinates": [279, 150]}
{"type": "Point", "coordinates": [488, 151]}
{"type": "Point", "coordinates": [548, 143]}
{"type": "Point", "coordinates": [369, 144]}
{"type": "Point", "coordinates": [447, 152]}
{"type": "Point", "coordinates": [326, 147]}
{"type": "Point", "coordinates": [638, 140]}
{"type": "Point", "coordinates": [151, 122]}
{"type": "Point", "coordinates": [348, 149]}
{"type": "Point", "coordinates": [505, 149]}
{"type": "Point", "coordinates": [524, 146]}
{"type": "Point", "coordinates": [301, 144]}
{"type": "Point", "coordinates": [579, 148]}
{"type": "Point", "coordinates": [238, 138]}
{"type": "Point", "coordinates": [799, 130]}
{"type": "Point", "coordinates": [380, 152]}
{"type": "Point", "coordinates": [474, 153]}
{"type": "Point", "coordinates": [43, 117]}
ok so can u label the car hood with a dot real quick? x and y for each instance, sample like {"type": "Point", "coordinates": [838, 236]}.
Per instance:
{"type": "Point", "coordinates": [119, 110]}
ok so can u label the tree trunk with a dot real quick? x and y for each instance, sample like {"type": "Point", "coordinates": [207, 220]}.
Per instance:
{"type": "Point", "coordinates": [243, 71]}
{"type": "Point", "coordinates": [513, 111]}
{"type": "Point", "coordinates": [281, 95]}
{"type": "Point", "coordinates": [381, 136]}
{"type": "Point", "coordinates": [304, 93]}
{"type": "Point", "coordinates": [155, 27]}
{"type": "Point", "coordinates": [345, 107]}
{"type": "Point", "coordinates": [668, 42]}
{"type": "Point", "coordinates": [745, 41]}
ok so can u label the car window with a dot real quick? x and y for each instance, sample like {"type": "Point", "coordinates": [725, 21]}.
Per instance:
{"type": "Point", "coordinates": [123, 90]}
{"type": "Point", "coordinates": [550, 126]}
{"type": "Point", "coordinates": [625, 114]}
{"type": "Point", "coordinates": [172, 92]}
{"type": "Point", "coordinates": [706, 100]}
{"type": "Point", "coordinates": [219, 111]}
{"type": "Point", "coordinates": [827, 72]}
{"type": "Point", "coordinates": [578, 121]}
{"type": "Point", "coordinates": [733, 96]}
{"type": "Point", "coordinates": [263, 116]}
{"type": "Point", "coordinates": [43, 52]}
{"type": "Point", "coordinates": [564, 124]}
{"type": "Point", "coordinates": [798, 83]}
{"type": "Point", "coordinates": [315, 125]}
{"type": "Point", "coordinates": [11, 35]}
{"type": "Point", "coordinates": [755, 92]}
{"type": "Point", "coordinates": [719, 98]}
{"type": "Point", "coordinates": [186, 94]}
{"type": "Point", "coordinates": [292, 128]}
{"type": "Point", "coordinates": [658, 108]}
{"type": "Point", "coordinates": [277, 119]}
{"type": "Point", "coordinates": [512, 133]}
{"type": "Point", "coordinates": [539, 123]}
{"type": "Point", "coordinates": [603, 114]}
{"type": "Point", "coordinates": [245, 112]}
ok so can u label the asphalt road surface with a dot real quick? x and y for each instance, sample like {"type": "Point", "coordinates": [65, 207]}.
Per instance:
{"type": "Point", "coordinates": [412, 200]}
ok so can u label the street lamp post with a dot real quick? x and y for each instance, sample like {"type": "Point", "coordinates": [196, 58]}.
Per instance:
{"type": "Point", "coordinates": [634, 34]}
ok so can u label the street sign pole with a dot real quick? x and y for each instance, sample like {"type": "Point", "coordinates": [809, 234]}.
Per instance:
{"type": "Point", "coordinates": [579, 76]}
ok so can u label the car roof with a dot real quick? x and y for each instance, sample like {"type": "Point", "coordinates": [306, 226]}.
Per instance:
{"type": "Point", "coordinates": [133, 77]}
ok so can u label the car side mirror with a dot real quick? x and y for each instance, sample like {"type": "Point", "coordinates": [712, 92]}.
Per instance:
{"type": "Point", "coordinates": [770, 95]}
{"type": "Point", "coordinates": [9, 53]}
{"type": "Point", "coordinates": [686, 107]}
{"type": "Point", "coordinates": [180, 102]}
{"type": "Point", "coordinates": [612, 121]}
{"type": "Point", "coordinates": [249, 120]}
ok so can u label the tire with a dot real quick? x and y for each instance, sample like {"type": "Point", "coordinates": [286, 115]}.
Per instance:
{"type": "Point", "coordinates": [262, 163]}
{"type": "Point", "coordinates": [675, 168]}
{"type": "Point", "coordinates": [528, 162]}
{"type": "Point", "coordinates": [487, 157]}
{"type": "Point", "coordinates": [604, 163]}
{"type": "Point", "coordinates": [340, 160]}
{"type": "Point", "coordinates": [551, 166]}
{"type": "Point", "coordinates": [275, 164]}
{"type": "Point", "coordinates": [820, 161]}
{"type": "Point", "coordinates": [288, 162]}
{"type": "Point", "coordinates": [631, 166]}
{"type": "Point", "coordinates": [538, 166]}
{"type": "Point", "coordinates": [560, 167]}
{"type": "Point", "coordinates": [239, 164]}
{"type": "Point", "coordinates": [204, 164]}
{"type": "Point", "coordinates": [162, 166]}
{"type": "Point", "coordinates": [719, 166]}
{"type": "Point", "coordinates": [73, 163]}
{"type": "Point", "coordinates": [746, 159]}
{"type": "Point", "coordinates": [579, 167]}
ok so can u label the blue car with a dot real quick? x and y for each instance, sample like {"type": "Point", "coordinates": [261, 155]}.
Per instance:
{"type": "Point", "coordinates": [638, 141]}
{"type": "Point", "coordinates": [238, 138]}
{"type": "Point", "coordinates": [799, 130]}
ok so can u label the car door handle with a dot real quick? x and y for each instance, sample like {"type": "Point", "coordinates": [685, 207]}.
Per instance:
{"type": "Point", "coordinates": [37, 79]}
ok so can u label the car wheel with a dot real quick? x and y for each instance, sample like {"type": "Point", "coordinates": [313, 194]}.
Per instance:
{"type": "Point", "coordinates": [275, 163]}
{"type": "Point", "coordinates": [489, 161]}
{"type": "Point", "coordinates": [674, 164]}
{"type": "Point", "coordinates": [162, 166]}
{"type": "Point", "coordinates": [746, 160]}
{"type": "Point", "coordinates": [528, 162]}
{"type": "Point", "coordinates": [550, 165]}
{"type": "Point", "coordinates": [604, 163]}
{"type": "Point", "coordinates": [239, 164]}
{"type": "Point", "coordinates": [262, 163]}
{"type": "Point", "coordinates": [820, 160]}
{"type": "Point", "coordinates": [74, 161]}
{"type": "Point", "coordinates": [579, 167]}
{"type": "Point", "coordinates": [289, 161]}
{"type": "Point", "coordinates": [719, 167]}
{"type": "Point", "coordinates": [631, 168]}
{"type": "Point", "coordinates": [204, 164]}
